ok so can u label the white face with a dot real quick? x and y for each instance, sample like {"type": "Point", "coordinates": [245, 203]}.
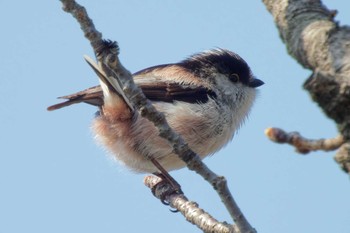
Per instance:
{"type": "Point", "coordinates": [234, 93]}
{"type": "Point", "coordinates": [238, 97]}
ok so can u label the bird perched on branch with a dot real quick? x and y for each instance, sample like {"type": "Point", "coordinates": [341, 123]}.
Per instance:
{"type": "Point", "coordinates": [205, 98]}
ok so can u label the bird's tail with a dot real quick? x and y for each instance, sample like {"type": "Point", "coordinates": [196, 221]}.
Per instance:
{"type": "Point", "coordinates": [94, 95]}
{"type": "Point", "coordinates": [109, 84]}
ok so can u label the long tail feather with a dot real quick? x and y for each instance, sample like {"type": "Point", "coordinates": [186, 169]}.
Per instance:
{"type": "Point", "coordinates": [110, 82]}
{"type": "Point", "coordinates": [93, 96]}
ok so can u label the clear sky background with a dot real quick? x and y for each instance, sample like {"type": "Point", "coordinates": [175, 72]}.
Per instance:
{"type": "Point", "coordinates": [54, 178]}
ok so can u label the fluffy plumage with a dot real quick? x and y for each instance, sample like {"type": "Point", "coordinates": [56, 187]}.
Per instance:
{"type": "Point", "coordinates": [205, 98]}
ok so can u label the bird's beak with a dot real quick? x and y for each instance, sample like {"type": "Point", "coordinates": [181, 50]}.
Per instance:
{"type": "Point", "coordinates": [254, 82]}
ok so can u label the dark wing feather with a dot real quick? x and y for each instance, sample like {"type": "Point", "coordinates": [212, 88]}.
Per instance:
{"type": "Point", "coordinates": [155, 87]}
{"type": "Point", "coordinates": [158, 84]}
{"type": "Point", "coordinates": [170, 92]}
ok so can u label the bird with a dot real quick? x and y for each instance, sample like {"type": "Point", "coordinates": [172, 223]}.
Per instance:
{"type": "Point", "coordinates": [205, 98]}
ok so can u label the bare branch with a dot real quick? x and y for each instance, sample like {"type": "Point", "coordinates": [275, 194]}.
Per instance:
{"type": "Point", "coordinates": [86, 24]}
{"type": "Point", "coordinates": [134, 94]}
{"type": "Point", "coordinates": [320, 44]}
{"type": "Point", "coordinates": [189, 209]}
{"type": "Point", "coordinates": [301, 144]}
{"type": "Point", "coordinates": [342, 157]}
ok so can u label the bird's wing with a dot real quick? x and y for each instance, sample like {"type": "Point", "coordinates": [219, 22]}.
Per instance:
{"type": "Point", "coordinates": [158, 83]}
{"type": "Point", "coordinates": [168, 83]}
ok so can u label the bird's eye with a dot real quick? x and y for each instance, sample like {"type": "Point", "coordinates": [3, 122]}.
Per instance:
{"type": "Point", "coordinates": [234, 77]}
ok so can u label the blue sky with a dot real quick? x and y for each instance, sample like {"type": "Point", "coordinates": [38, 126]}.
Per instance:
{"type": "Point", "coordinates": [54, 178]}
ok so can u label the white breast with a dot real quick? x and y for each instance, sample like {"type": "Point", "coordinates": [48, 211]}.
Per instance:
{"type": "Point", "coordinates": [205, 127]}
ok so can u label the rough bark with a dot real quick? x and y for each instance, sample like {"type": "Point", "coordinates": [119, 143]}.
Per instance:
{"type": "Point", "coordinates": [320, 44]}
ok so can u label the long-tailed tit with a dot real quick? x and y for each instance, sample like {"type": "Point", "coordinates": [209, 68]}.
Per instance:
{"type": "Point", "coordinates": [205, 98]}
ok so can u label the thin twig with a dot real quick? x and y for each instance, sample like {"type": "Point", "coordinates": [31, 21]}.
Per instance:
{"type": "Point", "coordinates": [136, 96]}
{"type": "Point", "coordinates": [189, 209]}
{"type": "Point", "coordinates": [86, 24]}
{"type": "Point", "coordinates": [301, 144]}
